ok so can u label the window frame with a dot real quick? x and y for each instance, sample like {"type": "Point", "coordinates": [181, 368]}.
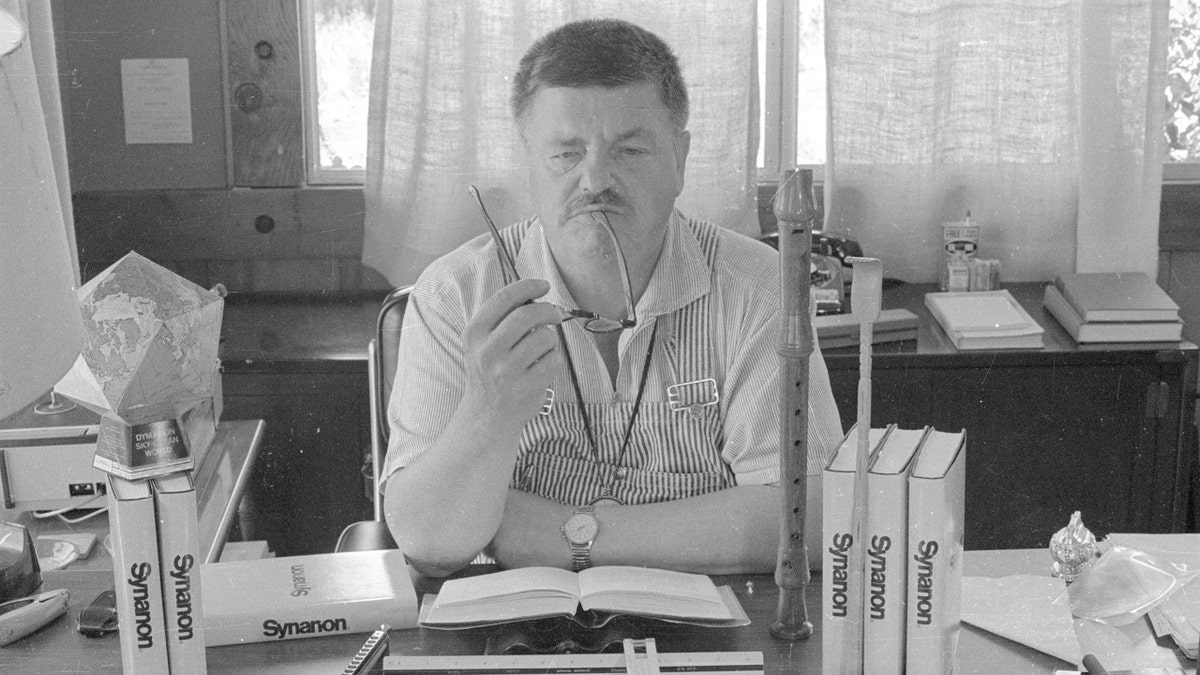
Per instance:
{"type": "Point", "coordinates": [314, 173]}
{"type": "Point", "coordinates": [1181, 172]}
{"type": "Point", "coordinates": [780, 118]}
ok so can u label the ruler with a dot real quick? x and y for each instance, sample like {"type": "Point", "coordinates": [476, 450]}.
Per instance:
{"type": "Point", "coordinates": [692, 663]}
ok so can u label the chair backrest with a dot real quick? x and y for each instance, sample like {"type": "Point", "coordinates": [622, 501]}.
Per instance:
{"type": "Point", "coordinates": [384, 352]}
{"type": "Point", "coordinates": [387, 336]}
{"type": "Point", "coordinates": [382, 357]}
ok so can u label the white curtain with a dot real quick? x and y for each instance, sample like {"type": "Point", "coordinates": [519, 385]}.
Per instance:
{"type": "Point", "coordinates": [1043, 118]}
{"type": "Point", "coordinates": [439, 117]}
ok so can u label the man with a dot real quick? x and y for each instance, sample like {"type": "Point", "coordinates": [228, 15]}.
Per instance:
{"type": "Point", "coordinates": [671, 460]}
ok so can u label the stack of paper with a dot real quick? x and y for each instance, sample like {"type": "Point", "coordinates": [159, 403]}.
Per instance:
{"type": "Point", "coordinates": [1113, 307]}
{"type": "Point", "coordinates": [1179, 614]}
{"type": "Point", "coordinates": [984, 320]}
{"type": "Point", "coordinates": [1175, 617]}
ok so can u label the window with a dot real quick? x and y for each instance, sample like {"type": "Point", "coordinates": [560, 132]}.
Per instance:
{"type": "Point", "coordinates": [337, 72]}
{"type": "Point", "coordinates": [1183, 92]}
{"type": "Point", "coordinates": [791, 71]}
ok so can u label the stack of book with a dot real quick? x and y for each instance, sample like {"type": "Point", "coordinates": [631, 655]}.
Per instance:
{"type": "Point", "coordinates": [985, 320]}
{"type": "Point", "coordinates": [156, 556]}
{"type": "Point", "coordinates": [909, 604]}
{"type": "Point", "coordinates": [1113, 307]}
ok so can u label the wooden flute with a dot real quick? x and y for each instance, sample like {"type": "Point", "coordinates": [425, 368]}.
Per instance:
{"type": "Point", "coordinates": [795, 209]}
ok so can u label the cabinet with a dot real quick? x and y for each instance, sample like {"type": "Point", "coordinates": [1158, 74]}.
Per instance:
{"type": "Point", "coordinates": [300, 364]}
{"type": "Point", "coordinates": [1108, 431]}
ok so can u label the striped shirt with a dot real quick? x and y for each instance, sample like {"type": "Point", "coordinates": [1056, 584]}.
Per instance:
{"type": "Point", "coordinates": [709, 417]}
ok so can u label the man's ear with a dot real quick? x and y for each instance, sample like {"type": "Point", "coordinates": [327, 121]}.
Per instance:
{"type": "Point", "coordinates": [683, 145]}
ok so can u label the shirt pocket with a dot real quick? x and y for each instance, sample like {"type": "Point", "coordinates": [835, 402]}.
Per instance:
{"type": "Point", "coordinates": [674, 454]}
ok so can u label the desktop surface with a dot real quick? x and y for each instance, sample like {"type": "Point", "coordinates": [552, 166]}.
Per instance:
{"type": "Point", "coordinates": [220, 481]}
{"type": "Point", "coordinates": [60, 648]}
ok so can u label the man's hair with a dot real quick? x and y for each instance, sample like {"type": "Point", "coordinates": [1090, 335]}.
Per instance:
{"type": "Point", "coordinates": [600, 52]}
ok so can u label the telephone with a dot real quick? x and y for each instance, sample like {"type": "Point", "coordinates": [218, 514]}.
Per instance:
{"type": "Point", "coordinates": [831, 275]}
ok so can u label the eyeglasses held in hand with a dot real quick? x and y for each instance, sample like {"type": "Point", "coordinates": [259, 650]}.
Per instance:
{"type": "Point", "coordinates": [592, 322]}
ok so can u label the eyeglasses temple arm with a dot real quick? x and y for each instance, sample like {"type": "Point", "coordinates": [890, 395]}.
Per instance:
{"type": "Point", "coordinates": [507, 267]}
{"type": "Point", "coordinates": [601, 218]}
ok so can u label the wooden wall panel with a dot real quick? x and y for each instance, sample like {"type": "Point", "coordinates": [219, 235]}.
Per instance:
{"type": "Point", "coordinates": [94, 36]}
{"type": "Point", "coordinates": [270, 240]}
{"type": "Point", "coordinates": [1179, 219]}
{"type": "Point", "coordinates": [1179, 275]}
{"type": "Point", "coordinates": [267, 131]}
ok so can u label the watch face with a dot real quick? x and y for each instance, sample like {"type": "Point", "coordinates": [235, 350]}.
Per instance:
{"type": "Point", "coordinates": [581, 528]}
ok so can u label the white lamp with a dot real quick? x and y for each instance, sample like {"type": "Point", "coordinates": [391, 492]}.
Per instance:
{"type": "Point", "coordinates": [40, 326]}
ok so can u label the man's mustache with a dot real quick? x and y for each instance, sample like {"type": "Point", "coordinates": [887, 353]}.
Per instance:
{"type": "Point", "coordinates": [583, 201]}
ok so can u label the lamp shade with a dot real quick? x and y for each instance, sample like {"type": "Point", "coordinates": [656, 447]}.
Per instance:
{"type": "Point", "coordinates": [40, 326]}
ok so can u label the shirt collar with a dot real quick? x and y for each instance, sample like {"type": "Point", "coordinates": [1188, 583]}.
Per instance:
{"type": "Point", "coordinates": [681, 275]}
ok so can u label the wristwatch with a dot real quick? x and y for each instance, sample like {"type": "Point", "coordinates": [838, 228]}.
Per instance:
{"type": "Point", "coordinates": [580, 531]}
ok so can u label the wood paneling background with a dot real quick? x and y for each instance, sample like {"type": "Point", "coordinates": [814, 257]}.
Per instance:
{"type": "Point", "coordinates": [264, 57]}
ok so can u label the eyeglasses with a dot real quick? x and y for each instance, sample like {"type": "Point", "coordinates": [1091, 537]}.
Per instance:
{"type": "Point", "coordinates": [592, 322]}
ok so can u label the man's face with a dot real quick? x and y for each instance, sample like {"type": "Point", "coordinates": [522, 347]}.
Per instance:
{"type": "Point", "coordinates": [604, 148]}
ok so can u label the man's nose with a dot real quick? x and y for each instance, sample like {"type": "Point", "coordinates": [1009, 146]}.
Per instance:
{"type": "Point", "coordinates": [596, 173]}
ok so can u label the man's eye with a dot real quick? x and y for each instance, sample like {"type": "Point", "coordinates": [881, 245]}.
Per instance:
{"type": "Point", "coordinates": [566, 158]}
{"type": "Point", "coordinates": [632, 152]}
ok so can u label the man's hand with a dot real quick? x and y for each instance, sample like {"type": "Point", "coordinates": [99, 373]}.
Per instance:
{"type": "Point", "coordinates": [511, 351]}
{"type": "Point", "coordinates": [447, 504]}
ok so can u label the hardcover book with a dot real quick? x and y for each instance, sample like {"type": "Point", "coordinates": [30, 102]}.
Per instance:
{"type": "Point", "coordinates": [306, 596]}
{"type": "Point", "coordinates": [886, 539]}
{"type": "Point", "coordinates": [984, 320]}
{"type": "Point", "coordinates": [1107, 331]}
{"type": "Point", "coordinates": [137, 577]}
{"type": "Point", "coordinates": [841, 601]}
{"type": "Point", "coordinates": [179, 560]}
{"type": "Point", "coordinates": [1116, 296]}
{"type": "Point", "coordinates": [539, 592]}
{"type": "Point", "coordinates": [935, 545]}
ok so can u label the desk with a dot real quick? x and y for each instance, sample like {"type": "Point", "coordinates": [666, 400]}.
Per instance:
{"type": "Point", "coordinates": [59, 648]}
{"type": "Point", "coordinates": [220, 483]}
{"type": "Point", "coordinates": [1103, 429]}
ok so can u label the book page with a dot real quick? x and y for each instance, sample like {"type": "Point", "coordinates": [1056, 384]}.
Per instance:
{"type": "Point", "coordinates": [644, 590]}
{"type": "Point", "coordinates": [523, 581]}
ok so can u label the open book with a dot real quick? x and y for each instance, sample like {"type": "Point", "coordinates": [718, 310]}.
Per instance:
{"type": "Point", "coordinates": [538, 592]}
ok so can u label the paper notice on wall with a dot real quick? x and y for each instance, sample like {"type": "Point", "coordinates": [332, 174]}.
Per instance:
{"type": "Point", "coordinates": [157, 101]}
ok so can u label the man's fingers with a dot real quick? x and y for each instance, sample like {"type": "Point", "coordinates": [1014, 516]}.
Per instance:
{"type": "Point", "coordinates": [536, 346]}
{"type": "Point", "coordinates": [511, 344]}
{"type": "Point", "coordinates": [512, 296]}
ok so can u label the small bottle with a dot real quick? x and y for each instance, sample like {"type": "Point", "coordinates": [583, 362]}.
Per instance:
{"type": "Point", "coordinates": [958, 273]}
{"type": "Point", "coordinates": [959, 238]}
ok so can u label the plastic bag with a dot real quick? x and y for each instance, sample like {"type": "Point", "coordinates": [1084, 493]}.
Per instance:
{"type": "Point", "coordinates": [1124, 584]}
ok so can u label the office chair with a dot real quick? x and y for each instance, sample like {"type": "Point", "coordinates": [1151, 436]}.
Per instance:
{"type": "Point", "coordinates": [382, 351]}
